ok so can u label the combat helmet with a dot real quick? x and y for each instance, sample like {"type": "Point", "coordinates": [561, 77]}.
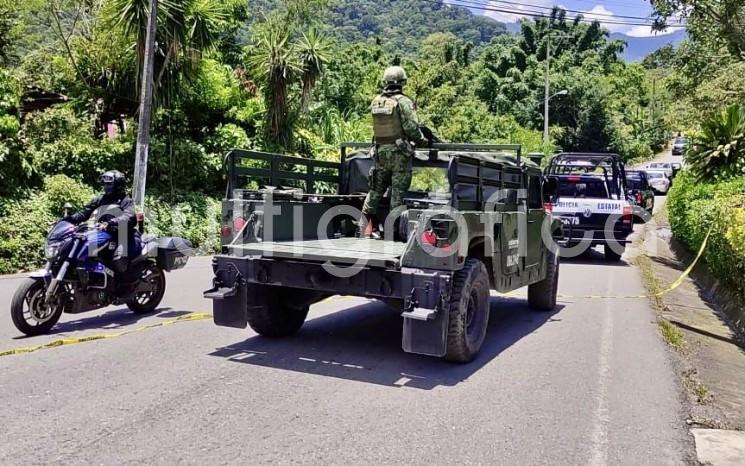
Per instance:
{"type": "Point", "coordinates": [394, 76]}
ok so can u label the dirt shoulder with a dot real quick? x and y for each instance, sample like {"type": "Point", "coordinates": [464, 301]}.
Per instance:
{"type": "Point", "coordinates": [693, 319]}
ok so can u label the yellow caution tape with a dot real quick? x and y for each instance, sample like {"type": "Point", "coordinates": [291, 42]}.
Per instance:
{"type": "Point", "coordinates": [87, 338]}
{"type": "Point", "coordinates": [673, 285]}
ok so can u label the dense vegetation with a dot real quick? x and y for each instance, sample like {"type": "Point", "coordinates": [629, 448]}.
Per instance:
{"type": "Point", "coordinates": [296, 78]}
{"type": "Point", "coordinates": [718, 208]}
{"type": "Point", "coordinates": [705, 86]}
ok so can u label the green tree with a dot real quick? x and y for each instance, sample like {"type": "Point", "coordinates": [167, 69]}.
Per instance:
{"type": "Point", "coordinates": [723, 19]}
{"type": "Point", "coordinates": [186, 30]}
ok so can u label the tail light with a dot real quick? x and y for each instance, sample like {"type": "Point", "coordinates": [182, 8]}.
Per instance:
{"type": "Point", "coordinates": [429, 238]}
{"type": "Point", "coordinates": [627, 212]}
{"type": "Point", "coordinates": [639, 198]}
{"type": "Point", "coordinates": [548, 207]}
{"type": "Point", "coordinates": [239, 223]}
{"type": "Point", "coordinates": [440, 233]}
{"type": "Point", "coordinates": [574, 178]}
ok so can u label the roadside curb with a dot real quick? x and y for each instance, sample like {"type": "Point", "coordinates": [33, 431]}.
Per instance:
{"type": "Point", "coordinates": [723, 297]}
{"type": "Point", "coordinates": [709, 348]}
{"type": "Point", "coordinates": [720, 447]}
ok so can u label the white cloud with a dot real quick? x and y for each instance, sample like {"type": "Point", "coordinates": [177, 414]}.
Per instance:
{"type": "Point", "coordinates": [598, 12]}
{"type": "Point", "coordinates": [602, 14]}
{"type": "Point", "coordinates": [646, 31]}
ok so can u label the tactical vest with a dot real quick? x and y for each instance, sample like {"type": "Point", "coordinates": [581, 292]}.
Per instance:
{"type": "Point", "coordinates": [387, 119]}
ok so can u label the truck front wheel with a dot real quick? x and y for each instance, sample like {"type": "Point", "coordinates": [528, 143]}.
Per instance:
{"type": "Point", "coordinates": [542, 295]}
{"type": "Point", "coordinates": [468, 312]}
{"type": "Point", "coordinates": [272, 316]}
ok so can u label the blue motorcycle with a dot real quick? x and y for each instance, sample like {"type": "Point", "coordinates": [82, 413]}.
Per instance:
{"type": "Point", "coordinates": [77, 279]}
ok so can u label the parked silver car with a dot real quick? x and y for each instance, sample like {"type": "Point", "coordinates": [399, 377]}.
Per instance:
{"type": "Point", "coordinates": [680, 145]}
{"type": "Point", "coordinates": [658, 181]}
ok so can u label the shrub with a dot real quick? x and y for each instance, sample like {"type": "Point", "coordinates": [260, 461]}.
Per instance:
{"type": "Point", "coordinates": [61, 189]}
{"type": "Point", "coordinates": [24, 223]}
{"type": "Point", "coordinates": [185, 166]}
{"type": "Point", "coordinates": [59, 142]}
{"type": "Point", "coordinates": [637, 151]}
{"type": "Point", "coordinates": [192, 216]}
{"type": "Point", "coordinates": [718, 152]}
{"type": "Point", "coordinates": [695, 208]}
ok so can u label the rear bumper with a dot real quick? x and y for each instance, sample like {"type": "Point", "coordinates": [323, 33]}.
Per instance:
{"type": "Point", "coordinates": [595, 237]}
{"type": "Point", "coordinates": [357, 281]}
{"type": "Point", "coordinates": [424, 295]}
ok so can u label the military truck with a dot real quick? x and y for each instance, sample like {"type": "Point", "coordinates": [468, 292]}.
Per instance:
{"type": "Point", "coordinates": [291, 238]}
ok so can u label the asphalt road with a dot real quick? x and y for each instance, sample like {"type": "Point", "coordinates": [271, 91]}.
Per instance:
{"type": "Point", "coordinates": [591, 383]}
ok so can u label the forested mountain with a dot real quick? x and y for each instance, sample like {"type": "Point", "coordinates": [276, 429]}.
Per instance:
{"type": "Point", "coordinates": [400, 25]}
{"type": "Point", "coordinates": [639, 47]}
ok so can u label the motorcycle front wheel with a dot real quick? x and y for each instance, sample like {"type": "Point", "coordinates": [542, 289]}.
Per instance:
{"type": "Point", "coordinates": [29, 310]}
{"type": "Point", "coordinates": [150, 289]}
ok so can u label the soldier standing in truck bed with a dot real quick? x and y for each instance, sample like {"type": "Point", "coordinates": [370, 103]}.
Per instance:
{"type": "Point", "coordinates": [396, 129]}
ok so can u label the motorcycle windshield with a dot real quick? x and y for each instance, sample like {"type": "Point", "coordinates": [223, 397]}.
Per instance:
{"type": "Point", "coordinates": [60, 231]}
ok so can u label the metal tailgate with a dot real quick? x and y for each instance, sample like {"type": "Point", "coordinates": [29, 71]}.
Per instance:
{"type": "Point", "coordinates": [349, 251]}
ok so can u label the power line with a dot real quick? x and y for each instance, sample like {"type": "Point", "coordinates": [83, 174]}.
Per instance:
{"type": "Point", "coordinates": [587, 13]}
{"type": "Point", "coordinates": [580, 16]}
{"type": "Point", "coordinates": [539, 14]}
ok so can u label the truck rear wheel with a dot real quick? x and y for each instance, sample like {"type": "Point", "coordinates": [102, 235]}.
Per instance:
{"type": "Point", "coordinates": [468, 312]}
{"type": "Point", "coordinates": [272, 316]}
{"type": "Point", "coordinates": [542, 295]}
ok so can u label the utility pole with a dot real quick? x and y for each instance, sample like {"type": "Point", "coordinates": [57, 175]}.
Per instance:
{"type": "Point", "coordinates": [146, 103]}
{"type": "Point", "coordinates": [545, 94]}
{"type": "Point", "coordinates": [654, 105]}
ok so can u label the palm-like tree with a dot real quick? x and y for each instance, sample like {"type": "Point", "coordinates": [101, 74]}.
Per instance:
{"type": "Point", "coordinates": [274, 61]}
{"type": "Point", "coordinates": [719, 150]}
{"type": "Point", "coordinates": [186, 29]}
{"type": "Point", "coordinates": [314, 51]}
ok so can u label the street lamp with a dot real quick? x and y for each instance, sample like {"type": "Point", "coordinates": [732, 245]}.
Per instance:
{"type": "Point", "coordinates": [561, 92]}
{"type": "Point", "coordinates": [545, 112]}
{"type": "Point", "coordinates": [546, 97]}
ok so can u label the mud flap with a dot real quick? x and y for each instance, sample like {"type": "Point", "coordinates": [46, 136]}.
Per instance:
{"type": "Point", "coordinates": [229, 305]}
{"type": "Point", "coordinates": [426, 336]}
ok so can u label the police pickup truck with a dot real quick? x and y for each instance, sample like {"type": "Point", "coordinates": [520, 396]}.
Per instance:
{"type": "Point", "coordinates": [591, 202]}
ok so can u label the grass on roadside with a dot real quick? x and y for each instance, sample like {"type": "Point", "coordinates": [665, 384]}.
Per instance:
{"type": "Point", "coordinates": [695, 386]}
{"type": "Point", "coordinates": [672, 335]}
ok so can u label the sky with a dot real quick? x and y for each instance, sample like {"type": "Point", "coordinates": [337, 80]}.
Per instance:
{"type": "Point", "coordinates": [602, 10]}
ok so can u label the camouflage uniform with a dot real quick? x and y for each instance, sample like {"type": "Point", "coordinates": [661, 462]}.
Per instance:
{"type": "Point", "coordinates": [393, 163]}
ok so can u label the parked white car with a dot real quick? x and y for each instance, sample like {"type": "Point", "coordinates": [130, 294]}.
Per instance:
{"type": "Point", "coordinates": [658, 181]}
